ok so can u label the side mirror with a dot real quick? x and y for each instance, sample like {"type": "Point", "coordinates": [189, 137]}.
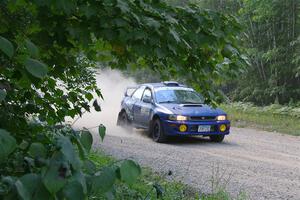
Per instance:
{"type": "Point", "coordinates": [147, 100]}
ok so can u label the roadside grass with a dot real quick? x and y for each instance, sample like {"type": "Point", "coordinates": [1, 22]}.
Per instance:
{"type": "Point", "coordinates": [271, 118]}
{"type": "Point", "coordinates": [151, 185]}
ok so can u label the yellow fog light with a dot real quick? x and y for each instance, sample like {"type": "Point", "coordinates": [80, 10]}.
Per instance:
{"type": "Point", "coordinates": [182, 128]}
{"type": "Point", "coordinates": [222, 128]}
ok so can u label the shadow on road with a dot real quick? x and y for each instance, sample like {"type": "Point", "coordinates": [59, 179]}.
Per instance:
{"type": "Point", "coordinates": [186, 140]}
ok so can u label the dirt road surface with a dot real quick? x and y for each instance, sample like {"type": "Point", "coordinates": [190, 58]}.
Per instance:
{"type": "Point", "coordinates": [261, 164]}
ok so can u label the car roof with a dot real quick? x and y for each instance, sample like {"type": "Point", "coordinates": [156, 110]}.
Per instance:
{"type": "Point", "coordinates": [168, 84]}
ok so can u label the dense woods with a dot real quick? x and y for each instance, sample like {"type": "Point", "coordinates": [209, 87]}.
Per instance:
{"type": "Point", "coordinates": [271, 38]}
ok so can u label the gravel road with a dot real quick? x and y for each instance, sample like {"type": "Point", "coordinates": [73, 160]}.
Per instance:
{"type": "Point", "coordinates": [263, 165]}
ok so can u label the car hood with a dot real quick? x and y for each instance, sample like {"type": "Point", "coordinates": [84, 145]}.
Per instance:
{"type": "Point", "coordinates": [192, 109]}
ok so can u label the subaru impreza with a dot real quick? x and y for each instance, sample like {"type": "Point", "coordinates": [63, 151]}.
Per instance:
{"type": "Point", "coordinates": [171, 109]}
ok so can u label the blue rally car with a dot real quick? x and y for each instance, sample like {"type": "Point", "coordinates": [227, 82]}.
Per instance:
{"type": "Point", "coordinates": [171, 109]}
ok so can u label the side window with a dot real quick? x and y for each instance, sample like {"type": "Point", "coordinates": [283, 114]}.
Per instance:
{"type": "Point", "coordinates": [138, 93]}
{"type": "Point", "coordinates": [147, 94]}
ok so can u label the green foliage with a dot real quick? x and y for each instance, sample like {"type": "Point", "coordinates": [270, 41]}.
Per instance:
{"type": "Point", "coordinates": [129, 171]}
{"type": "Point", "coordinates": [103, 182]}
{"type": "Point", "coordinates": [37, 150]}
{"type": "Point", "coordinates": [6, 47]}
{"type": "Point", "coordinates": [151, 185]}
{"type": "Point", "coordinates": [54, 168]}
{"type": "Point", "coordinates": [2, 95]}
{"type": "Point", "coordinates": [86, 140]}
{"type": "Point", "coordinates": [102, 131]}
{"type": "Point", "coordinates": [271, 41]}
{"type": "Point", "coordinates": [273, 109]}
{"type": "Point", "coordinates": [33, 50]}
{"type": "Point", "coordinates": [278, 118]}
{"type": "Point", "coordinates": [148, 185]}
{"type": "Point", "coordinates": [36, 68]}
{"type": "Point", "coordinates": [7, 144]}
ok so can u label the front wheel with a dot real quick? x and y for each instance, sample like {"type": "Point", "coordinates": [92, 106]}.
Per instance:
{"type": "Point", "coordinates": [217, 138]}
{"type": "Point", "coordinates": [158, 134]}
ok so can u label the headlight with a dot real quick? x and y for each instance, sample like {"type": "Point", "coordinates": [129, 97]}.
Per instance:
{"type": "Point", "coordinates": [221, 117]}
{"type": "Point", "coordinates": [178, 117]}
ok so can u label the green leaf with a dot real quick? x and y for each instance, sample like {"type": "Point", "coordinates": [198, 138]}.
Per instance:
{"type": "Point", "coordinates": [55, 176]}
{"type": "Point", "coordinates": [159, 190]}
{"type": "Point", "coordinates": [36, 68]}
{"type": "Point", "coordinates": [31, 182]}
{"type": "Point", "coordinates": [33, 50]}
{"type": "Point", "coordinates": [103, 182]}
{"type": "Point", "coordinates": [76, 187]}
{"type": "Point", "coordinates": [129, 171]}
{"type": "Point", "coordinates": [88, 10]}
{"type": "Point", "coordinates": [86, 140]}
{"type": "Point", "coordinates": [66, 147]}
{"type": "Point", "coordinates": [6, 47]}
{"type": "Point", "coordinates": [73, 191]}
{"type": "Point", "coordinates": [152, 23]}
{"type": "Point", "coordinates": [81, 149]}
{"type": "Point", "coordinates": [99, 93]}
{"type": "Point", "coordinates": [80, 178]}
{"type": "Point", "coordinates": [90, 167]}
{"type": "Point", "coordinates": [7, 144]}
{"type": "Point", "coordinates": [175, 35]}
{"type": "Point", "coordinates": [102, 130]}
{"type": "Point", "coordinates": [96, 106]}
{"type": "Point", "coordinates": [41, 192]}
{"type": "Point", "coordinates": [2, 95]}
{"type": "Point", "coordinates": [89, 96]}
{"type": "Point", "coordinates": [123, 6]}
{"type": "Point", "coordinates": [23, 145]}
{"type": "Point", "coordinates": [22, 191]}
{"type": "Point", "coordinates": [66, 5]}
{"type": "Point", "coordinates": [37, 150]}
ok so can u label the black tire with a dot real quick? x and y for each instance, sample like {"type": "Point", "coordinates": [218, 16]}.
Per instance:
{"type": "Point", "coordinates": [124, 122]}
{"type": "Point", "coordinates": [217, 138]}
{"type": "Point", "coordinates": [158, 134]}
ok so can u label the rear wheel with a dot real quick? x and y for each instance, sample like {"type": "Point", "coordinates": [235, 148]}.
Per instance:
{"type": "Point", "coordinates": [158, 134]}
{"type": "Point", "coordinates": [124, 121]}
{"type": "Point", "coordinates": [217, 138]}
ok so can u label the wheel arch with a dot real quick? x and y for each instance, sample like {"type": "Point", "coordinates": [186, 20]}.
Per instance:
{"type": "Point", "coordinates": [155, 116]}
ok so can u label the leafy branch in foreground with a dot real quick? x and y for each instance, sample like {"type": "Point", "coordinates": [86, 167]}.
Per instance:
{"type": "Point", "coordinates": [58, 166]}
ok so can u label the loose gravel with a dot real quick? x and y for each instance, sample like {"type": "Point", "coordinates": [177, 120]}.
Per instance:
{"type": "Point", "coordinates": [261, 164]}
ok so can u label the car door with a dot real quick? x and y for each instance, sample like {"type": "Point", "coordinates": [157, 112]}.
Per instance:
{"type": "Point", "coordinates": [136, 105]}
{"type": "Point", "coordinates": [146, 105]}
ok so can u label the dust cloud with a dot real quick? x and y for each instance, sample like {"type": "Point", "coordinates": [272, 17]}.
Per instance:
{"type": "Point", "coordinates": [113, 85]}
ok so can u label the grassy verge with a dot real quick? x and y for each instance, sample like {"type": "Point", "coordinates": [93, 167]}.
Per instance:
{"type": "Point", "coordinates": [271, 118]}
{"type": "Point", "coordinates": [152, 185]}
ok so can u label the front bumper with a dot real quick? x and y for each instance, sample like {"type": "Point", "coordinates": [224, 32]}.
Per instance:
{"type": "Point", "coordinates": [171, 128]}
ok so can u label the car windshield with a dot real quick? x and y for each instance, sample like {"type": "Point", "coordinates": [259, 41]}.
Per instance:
{"type": "Point", "coordinates": [178, 96]}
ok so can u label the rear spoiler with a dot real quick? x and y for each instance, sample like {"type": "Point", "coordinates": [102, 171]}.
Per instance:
{"type": "Point", "coordinates": [129, 91]}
